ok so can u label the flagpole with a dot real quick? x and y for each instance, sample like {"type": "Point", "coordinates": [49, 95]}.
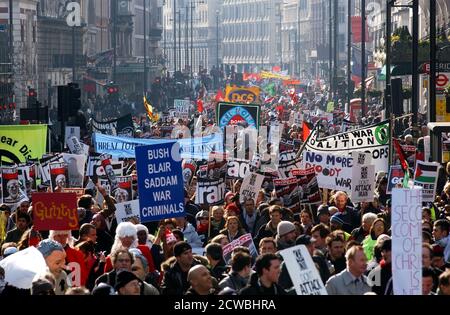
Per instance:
{"type": "Point", "coordinates": [391, 133]}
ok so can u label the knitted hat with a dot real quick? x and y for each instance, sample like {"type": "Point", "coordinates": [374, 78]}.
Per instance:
{"type": "Point", "coordinates": [285, 227]}
{"type": "Point", "coordinates": [123, 278]}
{"type": "Point", "coordinates": [180, 248]}
{"type": "Point", "coordinates": [103, 289]}
{"type": "Point", "coordinates": [337, 218]}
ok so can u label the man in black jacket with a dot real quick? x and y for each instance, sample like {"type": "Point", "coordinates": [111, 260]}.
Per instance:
{"type": "Point", "coordinates": [201, 281]}
{"type": "Point", "coordinates": [121, 260]}
{"type": "Point", "coordinates": [175, 280]}
{"type": "Point", "coordinates": [265, 280]}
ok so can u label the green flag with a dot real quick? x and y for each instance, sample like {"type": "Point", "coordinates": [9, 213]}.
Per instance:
{"type": "Point", "coordinates": [270, 89]}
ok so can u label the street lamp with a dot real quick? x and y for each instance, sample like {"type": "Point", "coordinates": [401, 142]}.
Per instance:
{"type": "Point", "coordinates": [217, 38]}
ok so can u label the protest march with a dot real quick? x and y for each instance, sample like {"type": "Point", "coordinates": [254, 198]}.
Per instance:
{"type": "Point", "coordinates": [238, 192]}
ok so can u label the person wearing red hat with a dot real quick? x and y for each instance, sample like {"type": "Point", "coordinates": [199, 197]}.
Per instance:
{"type": "Point", "coordinates": [232, 210]}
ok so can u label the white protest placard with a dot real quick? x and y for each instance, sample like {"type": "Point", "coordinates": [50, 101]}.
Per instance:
{"type": "Point", "coordinates": [361, 158]}
{"type": "Point", "coordinates": [182, 108]}
{"type": "Point", "coordinates": [250, 187]}
{"type": "Point", "coordinates": [71, 131]}
{"type": "Point", "coordinates": [295, 118]}
{"type": "Point", "coordinates": [303, 271]}
{"type": "Point", "coordinates": [127, 211]}
{"type": "Point", "coordinates": [75, 164]}
{"type": "Point", "coordinates": [407, 241]}
{"type": "Point", "coordinates": [363, 177]}
{"type": "Point", "coordinates": [74, 145]}
{"type": "Point", "coordinates": [427, 147]}
{"type": "Point", "coordinates": [333, 171]}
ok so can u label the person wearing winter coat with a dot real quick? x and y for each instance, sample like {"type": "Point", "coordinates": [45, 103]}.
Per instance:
{"type": "Point", "coordinates": [241, 269]}
{"type": "Point", "coordinates": [189, 232]}
{"type": "Point", "coordinates": [265, 280]}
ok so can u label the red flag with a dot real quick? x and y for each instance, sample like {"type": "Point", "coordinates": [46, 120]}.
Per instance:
{"type": "Point", "coordinates": [401, 155]}
{"type": "Point", "coordinates": [219, 96]}
{"type": "Point", "coordinates": [199, 105]}
{"type": "Point", "coordinates": [306, 131]}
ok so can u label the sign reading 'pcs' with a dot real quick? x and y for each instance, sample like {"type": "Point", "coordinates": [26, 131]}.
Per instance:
{"type": "Point", "coordinates": [242, 94]}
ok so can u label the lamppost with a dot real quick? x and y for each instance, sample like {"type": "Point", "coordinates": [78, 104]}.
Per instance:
{"type": "Point", "coordinates": [145, 47]}
{"type": "Point", "coordinates": [217, 38]}
{"type": "Point", "coordinates": [363, 58]}
{"type": "Point", "coordinates": [349, 52]}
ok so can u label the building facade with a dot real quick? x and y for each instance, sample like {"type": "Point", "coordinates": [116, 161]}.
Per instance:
{"type": "Point", "coordinates": [190, 35]}
{"type": "Point", "coordinates": [250, 30]}
{"type": "Point", "coordinates": [21, 60]}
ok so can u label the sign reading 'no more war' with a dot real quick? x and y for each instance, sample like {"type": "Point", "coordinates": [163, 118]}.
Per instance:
{"type": "Point", "coordinates": [160, 181]}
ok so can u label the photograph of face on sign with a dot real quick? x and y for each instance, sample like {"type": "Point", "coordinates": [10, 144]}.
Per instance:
{"type": "Point", "coordinates": [59, 176]}
{"type": "Point", "coordinates": [27, 178]}
{"type": "Point", "coordinates": [11, 187]}
{"type": "Point", "coordinates": [123, 191]}
{"type": "Point", "coordinates": [189, 167]}
{"type": "Point", "coordinates": [75, 166]}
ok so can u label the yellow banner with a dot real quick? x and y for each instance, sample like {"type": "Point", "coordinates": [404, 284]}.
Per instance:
{"type": "Point", "coordinates": [19, 143]}
{"type": "Point", "coordinates": [244, 95]}
{"type": "Point", "coordinates": [271, 75]}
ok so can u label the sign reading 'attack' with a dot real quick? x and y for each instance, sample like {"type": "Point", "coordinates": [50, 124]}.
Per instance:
{"type": "Point", "coordinates": [55, 211]}
{"type": "Point", "coordinates": [160, 181]}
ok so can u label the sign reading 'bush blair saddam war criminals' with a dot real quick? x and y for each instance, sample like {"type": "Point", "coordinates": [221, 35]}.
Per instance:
{"type": "Point", "coordinates": [160, 181]}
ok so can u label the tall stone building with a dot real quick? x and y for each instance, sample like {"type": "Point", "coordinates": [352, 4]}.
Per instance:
{"type": "Point", "coordinates": [251, 34]}
{"type": "Point", "coordinates": [21, 69]}
{"type": "Point", "coordinates": [196, 32]}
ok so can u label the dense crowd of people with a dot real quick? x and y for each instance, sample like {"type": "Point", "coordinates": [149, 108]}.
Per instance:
{"type": "Point", "coordinates": [350, 243]}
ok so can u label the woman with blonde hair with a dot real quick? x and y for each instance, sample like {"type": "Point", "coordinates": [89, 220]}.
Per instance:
{"type": "Point", "coordinates": [233, 228]}
{"type": "Point", "coordinates": [217, 221]}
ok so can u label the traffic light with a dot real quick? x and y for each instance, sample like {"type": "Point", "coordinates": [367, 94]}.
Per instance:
{"type": "Point", "coordinates": [75, 101]}
{"type": "Point", "coordinates": [69, 102]}
{"type": "Point", "coordinates": [32, 98]}
{"type": "Point", "coordinates": [397, 97]}
{"type": "Point", "coordinates": [113, 93]}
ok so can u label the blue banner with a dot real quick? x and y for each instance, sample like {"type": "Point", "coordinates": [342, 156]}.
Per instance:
{"type": "Point", "coordinates": [190, 148]}
{"type": "Point", "coordinates": [160, 181]}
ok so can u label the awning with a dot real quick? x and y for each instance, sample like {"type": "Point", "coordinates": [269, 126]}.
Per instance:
{"type": "Point", "coordinates": [396, 70]}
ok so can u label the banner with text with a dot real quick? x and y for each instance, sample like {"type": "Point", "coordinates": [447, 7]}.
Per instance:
{"type": "Point", "coordinates": [19, 143]}
{"type": "Point", "coordinates": [373, 139]}
{"type": "Point", "coordinates": [333, 171]}
{"type": "Point", "coordinates": [190, 148]}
